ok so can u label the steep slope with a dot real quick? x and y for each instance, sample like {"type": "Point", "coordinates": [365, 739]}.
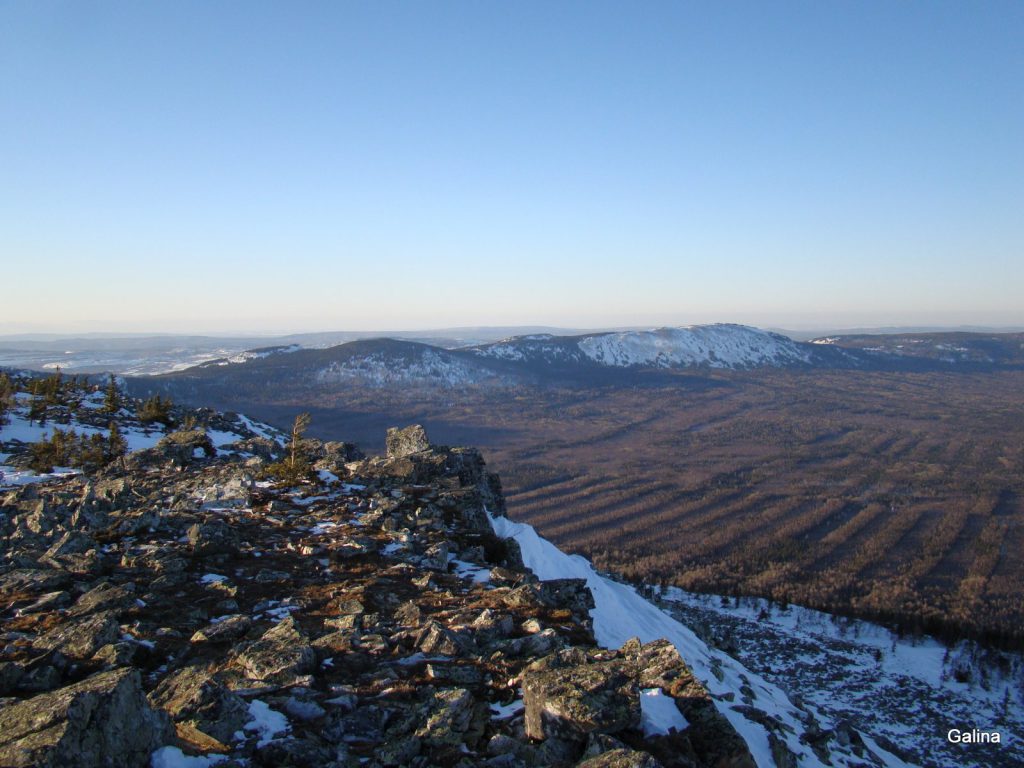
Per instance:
{"type": "Point", "coordinates": [776, 731]}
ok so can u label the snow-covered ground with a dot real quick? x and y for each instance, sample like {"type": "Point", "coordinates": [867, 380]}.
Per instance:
{"type": "Point", "coordinates": [909, 691]}
{"type": "Point", "coordinates": [19, 429]}
{"type": "Point", "coordinates": [621, 614]}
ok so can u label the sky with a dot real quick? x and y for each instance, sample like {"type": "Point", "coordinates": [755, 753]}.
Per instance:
{"type": "Point", "coordinates": [274, 167]}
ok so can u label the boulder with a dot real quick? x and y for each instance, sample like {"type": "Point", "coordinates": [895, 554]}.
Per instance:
{"type": "Point", "coordinates": [454, 717]}
{"type": "Point", "coordinates": [620, 758]}
{"type": "Point", "coordinates": [104, 597]}
{"type": "Point", "coordinates": [279, 656]}
{"type": "Point", "coordinates": [81, 638]}
{"type": "Point", "coordinates": [226, 629]}
{"type": "Point", "coordinates": [435, 639]}
{"type": "Point", "coordinates": [214, 537]}
{"type": "Point", "coordinates": [194, 696]}
{"type": "Point", "coordinates": [102, 722]}
{"type": "Point", "coordinates": [407, 441]}
{"type": "Point", "coordinates": [567, 697]}
{"type": "Point", "coordinates": [183, 447]}
{"type": "Point", "coordinates": [71, 543]}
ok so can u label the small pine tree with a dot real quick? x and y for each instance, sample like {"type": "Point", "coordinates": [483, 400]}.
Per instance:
{"type": "Point", "coordinates": [92, 453]}
{"type": "Point", "coordinates": [295, 445]}
{"type": "Point", "coordinates": [41, 457]}
{"type": "Point", "coordinates": [295, 467]}
{"type": "Point", "coordinates": [116, 444]}
{"type": "Point", "coordinates": [36, 407]}
{"type": "Point", "coordinates": [156, 409]}
{"type": "Point", "coordinates": [53, 388]}
{"type": "Point", "coordinates": [62, 449]}
{"type": "Point", "coordinates": [112, 398]}
{"type": "Point", "coordinates": [6, 397]}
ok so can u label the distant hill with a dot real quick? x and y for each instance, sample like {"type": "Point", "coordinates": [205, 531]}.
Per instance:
{"type": "Point", "coordinates": [623, 358]}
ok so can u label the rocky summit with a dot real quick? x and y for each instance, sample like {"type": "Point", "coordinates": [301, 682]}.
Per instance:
{"type": "Point", "coordinates": [174, 609]}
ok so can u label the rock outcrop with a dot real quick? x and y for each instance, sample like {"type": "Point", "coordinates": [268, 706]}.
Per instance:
{"type": "Point", "coordinates": [177, 602]}
{"type": "Point", "coordinates": [105, 720]}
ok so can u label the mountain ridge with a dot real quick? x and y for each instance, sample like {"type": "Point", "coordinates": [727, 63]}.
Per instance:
{"type": "Point", "coordinates": [612, 358]}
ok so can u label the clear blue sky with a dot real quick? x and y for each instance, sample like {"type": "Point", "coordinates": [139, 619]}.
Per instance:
{"type": "Point", "coordinates": [222, 166]}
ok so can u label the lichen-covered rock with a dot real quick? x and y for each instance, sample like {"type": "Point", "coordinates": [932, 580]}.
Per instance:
{"type": "Point", "coordinates": [405, 442]}
{"type": "Point", "coordinates": [569, 699]}
{"type": "Point", "coordinates": [116, 599]}
{"type": "Point", "coordinates": [282, 653]}
{"type": "Point", "coordinates": [228, 628]}
{"type": "Point", "coordinates": [214, 537]}
{"type": "Point", "coordinates": [71, 543]}
{"type": "Point", "coordinates": [184, 446]}
{"type": "Point", "coordinates": [193, 695]}
{"type": "Point", "coordinates": [709, 739]}
{"type": "Point", "coordinates": [102, 722]}
{"type": "Point", "coordinates": [620, 758]}
{"type": "Point", "coordinates": [454, 717]}
{"type": "Point", "coordinates": [81, 638]}
{"type": "Point", "coordinates": [435, 639]}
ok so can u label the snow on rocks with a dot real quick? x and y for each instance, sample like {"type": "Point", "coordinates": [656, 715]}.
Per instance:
{"type": "Point", "coordinates": [267, 724]}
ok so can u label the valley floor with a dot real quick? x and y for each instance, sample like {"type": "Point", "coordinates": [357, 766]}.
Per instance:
{"type": "Point", "coordinates": [906, 692]}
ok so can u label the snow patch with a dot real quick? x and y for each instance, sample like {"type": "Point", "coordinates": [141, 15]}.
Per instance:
{"type": "Point", "coordinates": [267, 723]}
{"type": "Point", "coordinates": [172, 757]}
{"type": "Point", "coordinates": [505, 711]}
{"type": "Point", "coordinates": [659, 714]}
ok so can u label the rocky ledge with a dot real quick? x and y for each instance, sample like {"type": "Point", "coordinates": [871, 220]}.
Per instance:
{"type": "Point", "coordinates": [175, 611]}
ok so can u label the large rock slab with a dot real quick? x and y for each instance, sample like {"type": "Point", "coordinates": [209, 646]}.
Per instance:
{"type": "Point", "coordinates": [102, 722]}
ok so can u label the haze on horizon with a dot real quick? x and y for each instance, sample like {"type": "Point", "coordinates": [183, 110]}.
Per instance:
{"type": "Point", "coordinates": [243, 168]}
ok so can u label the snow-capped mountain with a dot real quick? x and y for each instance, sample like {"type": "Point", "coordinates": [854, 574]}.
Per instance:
{"type": "Point", "coordinates": [714, 346]}
{"type": "Point", "coordinates": [619, 358]}
{"type": "Point", "coordinates": [721, 346]}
